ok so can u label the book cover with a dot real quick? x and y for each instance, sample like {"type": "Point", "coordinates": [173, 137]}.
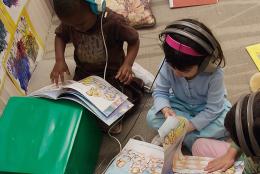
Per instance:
{"type": "Point", "coordinates": [254, 52]}
{"type": "Point", "coordinates": [94, 93]}
{"type": "Point", "coordinates": [186, 3]}
{"type": "Point", "coordinates": [138, 157]}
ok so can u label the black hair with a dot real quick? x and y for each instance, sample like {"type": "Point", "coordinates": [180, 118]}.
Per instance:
{"type": "Point", "coordinates": [231, 125]}
{"type": "Point", "coordinates": [65, 8]}
{"type": "Point", "coordinates": [182, 61]}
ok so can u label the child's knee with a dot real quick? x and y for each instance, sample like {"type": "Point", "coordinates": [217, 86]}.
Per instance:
{"type": "Point", "coordinates": [209, 147]}
{"type": "Point", "coordinates": [154, 120]}
{"type": "Point", "coordinates": [198, 147]}
{"type": "Point", "coordinates": [151, 119]}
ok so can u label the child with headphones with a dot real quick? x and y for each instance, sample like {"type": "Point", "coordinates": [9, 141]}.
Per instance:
{"type": "Point", "coordinates": [98, 35]}
{"type": "Point", "coordinates": [243, 124]}
{"type": "Point", "coordinates": [190, 82]}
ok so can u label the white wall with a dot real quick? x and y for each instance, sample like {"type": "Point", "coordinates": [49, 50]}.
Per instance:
{"type": "Point", "coordinates": [40, 12]}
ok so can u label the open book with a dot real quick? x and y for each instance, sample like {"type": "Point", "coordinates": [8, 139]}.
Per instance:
{"type": "Point", "coordinates": [138, 157]}
{"type": "Point", "coordinates": [145, 158]}
{"type": "Point", "coordinates": [177, 163]}
{"type": "Point", "coordinates": [94, 93]}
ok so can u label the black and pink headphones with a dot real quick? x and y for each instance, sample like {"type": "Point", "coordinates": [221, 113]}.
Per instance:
{"type": "Point", "coordinates": [211, 62]}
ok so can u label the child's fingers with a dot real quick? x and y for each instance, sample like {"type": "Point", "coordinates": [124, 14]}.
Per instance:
{"type": "Point", "coordinates": [68, 72]}
{"type": "Point", "coordinates": [122, 77]}
{"type": "Point", "coordinates": [210, 165]}
{"type": "Point", "coordinates": [62, 77]}
{"type": "Point", "coordinates": [125, 77]}
{"type": "Point", "coordinates": [216, 167]}
{"type": "Point", "coordinates": [129, 79]}
{"type": "Point", "coordinates": [118, 74]}
{"type": "Point", "coordinates": [227, 166]}
{"type": "Point", "coordinates": [172, 113]}
{"type": "Point", "coordinates": [55, 77]}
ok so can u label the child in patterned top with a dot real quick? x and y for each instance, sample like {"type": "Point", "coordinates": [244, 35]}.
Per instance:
{"type": "Point", "coordinates": [98, 39]}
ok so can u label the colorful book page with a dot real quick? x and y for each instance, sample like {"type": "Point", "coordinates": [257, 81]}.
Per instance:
{"type": "Point", "coordinates": [138, 157]}
{"type": "Point", "coordinates": [12, 8]}
{"type": "Point", "coordinates": [254, 52]}
{"type": "Point", "coordinates": [26, 47]}
{"type": "Point", "coordinates": [5, 35]}
{"type": "Point", "coordinates": [196, 165]}
{"type": "Point", "coordinates": [103, 95]}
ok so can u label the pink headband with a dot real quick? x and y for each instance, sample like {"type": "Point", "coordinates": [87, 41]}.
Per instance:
{"type": "Point", "coordinates": [180, 47]}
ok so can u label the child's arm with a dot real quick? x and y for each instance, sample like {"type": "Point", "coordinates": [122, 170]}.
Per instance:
{"type": "Point", "coordinates": [60, 65]}
{"type": "Point", "coordinates": [215, 103]}
{"type": "Point", "coordinates": [224, 162]}
{"type": "Point", "coordinates": [124, 73]}
{"type": "Point", "coordinates": [161, 92]}
{"type": "Point", "coordinates": [61, 39]}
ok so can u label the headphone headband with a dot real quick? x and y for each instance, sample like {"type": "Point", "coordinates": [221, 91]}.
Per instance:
{"type": "Point", "coordinates": [211, 62]}
{"type": "Point", "coordinates": [250, 121]}
{"type": "Point", "coordinates": [200, 30]}
{"type": "Point", "coordinates": [239, 128]}
{"type": "Point", "coordinates": [190, 36]}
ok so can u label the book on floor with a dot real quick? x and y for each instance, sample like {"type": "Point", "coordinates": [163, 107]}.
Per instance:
{"type": "Point", "coordinates": [196, 165]}
{"type": "Point", "coordinates": [186, 3]}
{"type": "Point", "coordinates": [146, 158]}
{"type": "Point", "coordinates": [254, 52]}
{"type": "Point", "coordinates": [94, 93]}
{"type": "Point", "coordinates": [138, 157]}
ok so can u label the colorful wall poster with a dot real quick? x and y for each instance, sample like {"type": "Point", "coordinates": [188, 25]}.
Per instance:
{"type": "Point", "coordinates": [13, 8]}
{"type": "Point", "coordinates": [5, 36]}
{"type": "Point", "coordinates": [26, 48]}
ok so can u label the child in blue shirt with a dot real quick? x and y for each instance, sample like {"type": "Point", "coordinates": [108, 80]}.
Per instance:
{"type": "Point", "coordinates": [190, 82]}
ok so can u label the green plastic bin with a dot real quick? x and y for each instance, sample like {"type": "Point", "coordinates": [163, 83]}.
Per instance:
{"type": "Point", "coordinates": [45, 136]}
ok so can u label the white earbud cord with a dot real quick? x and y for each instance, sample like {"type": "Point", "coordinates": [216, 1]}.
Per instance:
{"type": "Point", "coordinates": [104, 42]}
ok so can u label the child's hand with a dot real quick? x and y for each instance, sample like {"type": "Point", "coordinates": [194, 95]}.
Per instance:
{"type": "Point", "coordinates": [124, 74]}
{"type": "Point", "coordinates": [222, 163]}
{"type": "Point", "coordinates": [190, 127]}
{"type": "Point", "coordinates": [167, 112]}
{"type": "Point", "coordinates": [58, 72]}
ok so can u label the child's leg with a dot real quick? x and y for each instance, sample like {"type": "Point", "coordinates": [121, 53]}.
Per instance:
{"type": "Point", "coordinates": [209, 148]}
{"type": "Point", "coordinates": [154, 120]}
{"type": "Point", "coordinates": [215, 129]}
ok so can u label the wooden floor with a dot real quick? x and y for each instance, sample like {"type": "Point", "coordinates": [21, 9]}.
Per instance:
{"type": "Point", "coordinates": [133, 124]}
{"type": "Point", "coordinates": [236, 23]}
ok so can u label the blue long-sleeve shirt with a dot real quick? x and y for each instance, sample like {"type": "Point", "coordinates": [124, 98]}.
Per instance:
{"type": "Point", "coordinates": [205, 89]}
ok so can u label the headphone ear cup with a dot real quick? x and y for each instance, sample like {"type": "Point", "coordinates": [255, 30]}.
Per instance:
{"type": "Point", "coordinates": [97, 6]}
{"type": "Point", "coordinates": [209, 65]}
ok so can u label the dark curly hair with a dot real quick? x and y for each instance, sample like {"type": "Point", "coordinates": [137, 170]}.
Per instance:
{"type": "Point", "coordinates": [65, 8]}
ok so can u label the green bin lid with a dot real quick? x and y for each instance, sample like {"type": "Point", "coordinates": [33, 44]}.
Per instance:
{"type": "Point", "coordinates": [36, 135]}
